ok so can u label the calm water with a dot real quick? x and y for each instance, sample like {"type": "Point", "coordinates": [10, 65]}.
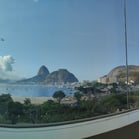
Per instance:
{"type": "Point", "coordinates": [33, 90]}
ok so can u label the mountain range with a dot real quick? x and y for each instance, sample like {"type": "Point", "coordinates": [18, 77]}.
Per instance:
{"type": "Point", "coordinates": [61, 76]}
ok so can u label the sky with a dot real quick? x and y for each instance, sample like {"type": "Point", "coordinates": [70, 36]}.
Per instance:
{"type": "Point", "coordinates": [86, 37]}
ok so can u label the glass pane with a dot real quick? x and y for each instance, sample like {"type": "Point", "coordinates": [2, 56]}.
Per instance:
{"type": "Point", "coordinates": [65, 60]}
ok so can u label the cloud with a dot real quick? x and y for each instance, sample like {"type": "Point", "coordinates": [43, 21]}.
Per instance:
{"type": "Point", "coordinates": [6, 68]}
{"type": "Point", "coordinates": [6, 63]}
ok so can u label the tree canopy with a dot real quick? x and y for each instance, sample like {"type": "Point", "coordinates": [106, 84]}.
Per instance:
{"type": "Point", "coordinates": [59, 95]}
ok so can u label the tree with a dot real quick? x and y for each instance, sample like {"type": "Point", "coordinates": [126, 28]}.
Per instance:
{"type": "Point", "coordinates": [27, 101]}
{"type": "Point", "coordinates": [78, 96]}
{"type": "Point", "coordinates": [59, 95]}
{"type": "Point", "coordinates": [15, 110]}
{"type": "Point", "coordinates": [5, 99]}
{"type": "Point", "coordinates": [113, 102]}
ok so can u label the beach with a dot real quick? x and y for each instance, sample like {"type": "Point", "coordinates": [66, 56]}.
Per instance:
{"type": "Point", "coordinates": [34, 100]}
{"type": "Point", "coordinates": [40, 100]}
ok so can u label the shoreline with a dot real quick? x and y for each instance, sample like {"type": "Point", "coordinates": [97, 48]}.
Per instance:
{"type": "Point", "coordinates": [34, 100]}
{"type": "Point", "coordinates": [41, 100]}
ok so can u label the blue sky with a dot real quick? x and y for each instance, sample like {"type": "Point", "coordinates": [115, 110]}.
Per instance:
{"type": "Point", "coordinates": [84, 36]}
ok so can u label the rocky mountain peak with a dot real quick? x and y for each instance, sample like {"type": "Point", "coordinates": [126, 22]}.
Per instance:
{"type": "Point", "coordinates": [61, 76]}
{"type": "Point", "coordinates": [43, 71]}
{"type": "Point", "coordinates": [57, 77]}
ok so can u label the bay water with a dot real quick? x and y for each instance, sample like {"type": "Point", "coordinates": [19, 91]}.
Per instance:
{"type": "Point", "coordinates": [34, 90]}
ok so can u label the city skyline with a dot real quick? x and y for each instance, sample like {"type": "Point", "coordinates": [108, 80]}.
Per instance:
{"type": "Point", "coordinates": [84, 36]}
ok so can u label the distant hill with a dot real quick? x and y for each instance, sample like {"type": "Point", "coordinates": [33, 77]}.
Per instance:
{"type": "Point", "coordinates": [39, 78]}
{"type": "Point", "coordinates": [43, 76]}
{"type": "Point", "coordinates": [60, 76]}
{"type": "Point", "coordinates": [118, 74]}
{"type": "Point", "coordinates": [5, 81]}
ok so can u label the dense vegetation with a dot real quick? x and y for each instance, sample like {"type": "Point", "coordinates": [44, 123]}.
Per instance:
{"type": "Point", "coordinates": [87, 105]}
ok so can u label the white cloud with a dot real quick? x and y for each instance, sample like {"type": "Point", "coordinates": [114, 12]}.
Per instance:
{"type": "Point", "coordinates": [6, 63]}
{"type": "Point", "coordinates": [6, 68]}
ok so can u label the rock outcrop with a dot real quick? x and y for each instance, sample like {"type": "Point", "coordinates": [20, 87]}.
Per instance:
{"type": "Point", "coordinates": [61, 76]}
{"type": "Point", "coordinates": [39, 78]}
{"type": "Point", "coordinates": [43, 71]}
{"type": "Point", "coordinates": [118, 74]}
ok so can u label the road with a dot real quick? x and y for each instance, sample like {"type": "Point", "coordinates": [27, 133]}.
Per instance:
{"type": "Point", "coordinates": [128, 132]}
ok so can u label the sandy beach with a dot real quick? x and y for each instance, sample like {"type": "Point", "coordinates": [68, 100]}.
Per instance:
{"type": "Point", "coordinates": [34, 100]}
